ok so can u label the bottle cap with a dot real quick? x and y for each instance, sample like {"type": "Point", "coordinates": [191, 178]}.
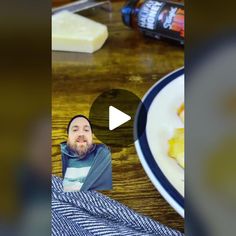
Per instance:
{"type": "Point", "coordinates": [127, 11]}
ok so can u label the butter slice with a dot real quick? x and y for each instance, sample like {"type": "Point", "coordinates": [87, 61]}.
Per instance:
{"type": "Point", "coordinates": [75, 33]}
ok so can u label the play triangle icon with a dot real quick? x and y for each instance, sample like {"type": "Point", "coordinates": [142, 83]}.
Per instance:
{"type": "Point", "coordinates": [117, 118]}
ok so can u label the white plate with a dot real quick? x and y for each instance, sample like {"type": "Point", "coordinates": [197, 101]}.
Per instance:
{"type": "Point", "coordinates": [162, 102]}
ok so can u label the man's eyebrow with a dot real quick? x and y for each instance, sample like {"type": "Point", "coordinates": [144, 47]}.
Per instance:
{"type": "Point", "coordinates": [75, 126]}
{"type": "Point", "coordinates": [86, 126]}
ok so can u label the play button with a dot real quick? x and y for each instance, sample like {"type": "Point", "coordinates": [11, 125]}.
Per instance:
{"type": "Point", "coordinates": [112, 116]}
{"type": "Point", "coordinates": [117, 118]}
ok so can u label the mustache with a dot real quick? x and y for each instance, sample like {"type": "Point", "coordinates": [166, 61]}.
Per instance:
{"type": "Point", "coordinates": [81, 139]}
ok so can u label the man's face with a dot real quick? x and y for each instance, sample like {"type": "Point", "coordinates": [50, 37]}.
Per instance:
{"type": "Point", "coordinates": [80, 136]}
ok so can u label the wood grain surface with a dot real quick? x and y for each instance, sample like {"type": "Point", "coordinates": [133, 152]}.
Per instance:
{"type": "Point", "coordinates": [128, 61]}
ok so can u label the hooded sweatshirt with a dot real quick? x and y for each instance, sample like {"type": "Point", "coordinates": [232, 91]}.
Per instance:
{"type": "Point", "coordinates": [92, 171]}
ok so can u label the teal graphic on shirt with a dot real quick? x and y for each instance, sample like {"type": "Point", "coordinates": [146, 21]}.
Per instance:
{"type": "Point", "coordinates": [76, 172]}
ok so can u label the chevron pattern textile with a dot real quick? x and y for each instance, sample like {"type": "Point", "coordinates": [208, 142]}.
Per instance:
{"type": "Point", "coordinates": [92, 213]}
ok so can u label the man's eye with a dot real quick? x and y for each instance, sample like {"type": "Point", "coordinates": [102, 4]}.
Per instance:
{"type": "Point", "coordinates": [74, 130]}
{"type": "Point", "coordinates": [86, 130]}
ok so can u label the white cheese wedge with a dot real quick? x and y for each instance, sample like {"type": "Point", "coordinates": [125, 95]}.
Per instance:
{"type": "Point", "coordinates": [75, 33]}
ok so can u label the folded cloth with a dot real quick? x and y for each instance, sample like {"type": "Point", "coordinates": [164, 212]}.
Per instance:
{"type": "Point", "coordinates": [88, 213]}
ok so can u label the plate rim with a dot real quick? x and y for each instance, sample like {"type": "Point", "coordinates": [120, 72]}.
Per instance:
{"type": "Point", "coordinates": [162, 184]}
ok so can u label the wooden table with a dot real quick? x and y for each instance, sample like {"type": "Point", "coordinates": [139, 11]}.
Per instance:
{"type": "Point", "coordinates": [128, 61]}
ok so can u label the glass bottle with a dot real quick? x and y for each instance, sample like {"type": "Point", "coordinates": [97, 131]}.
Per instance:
{"type": "Point", "coordinates": [156, 18]}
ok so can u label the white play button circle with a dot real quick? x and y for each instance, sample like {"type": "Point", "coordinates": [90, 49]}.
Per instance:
{"type": "Point", "coordinates": [112, 116]}
{"type": "Point", "coordinates": [117, 118]}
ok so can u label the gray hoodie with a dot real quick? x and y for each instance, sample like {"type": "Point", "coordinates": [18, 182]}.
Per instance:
{"type": "Point", "coordinates": [100, 174]}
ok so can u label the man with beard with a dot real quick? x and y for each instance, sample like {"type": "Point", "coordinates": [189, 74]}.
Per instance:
{"type": "Point", "coordinates": [85, 165]}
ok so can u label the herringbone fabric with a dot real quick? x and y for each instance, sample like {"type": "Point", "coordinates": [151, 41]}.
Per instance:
{"type": "Point", "coordinates": [92, 213]}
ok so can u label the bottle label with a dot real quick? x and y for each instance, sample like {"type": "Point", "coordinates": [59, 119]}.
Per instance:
{"type": "Point", "coordinates": [162, 17]}
{"type": "Point", "coordinates": [148, 13]}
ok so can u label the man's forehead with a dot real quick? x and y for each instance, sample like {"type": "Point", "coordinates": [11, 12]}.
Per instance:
{"type": "Point", "coordinates": [79, 121]}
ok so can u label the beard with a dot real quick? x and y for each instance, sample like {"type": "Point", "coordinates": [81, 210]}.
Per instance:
{"type": "Point", "coordinates": [80, 149]}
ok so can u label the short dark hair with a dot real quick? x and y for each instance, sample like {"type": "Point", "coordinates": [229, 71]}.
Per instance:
{"type": "Point", "coordinates": [78, 116]}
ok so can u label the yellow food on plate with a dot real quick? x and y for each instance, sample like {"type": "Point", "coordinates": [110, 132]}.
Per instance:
{"type": "Point", "coordinates": [176, 143]}
{"type": "Point", "coordinates": [180, 112]}
{"type": "Point", "coordinates": [176, 146]}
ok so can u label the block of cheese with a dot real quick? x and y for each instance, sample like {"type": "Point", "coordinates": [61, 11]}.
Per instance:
{"type": "Point", "coordinates": [75, 33]}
